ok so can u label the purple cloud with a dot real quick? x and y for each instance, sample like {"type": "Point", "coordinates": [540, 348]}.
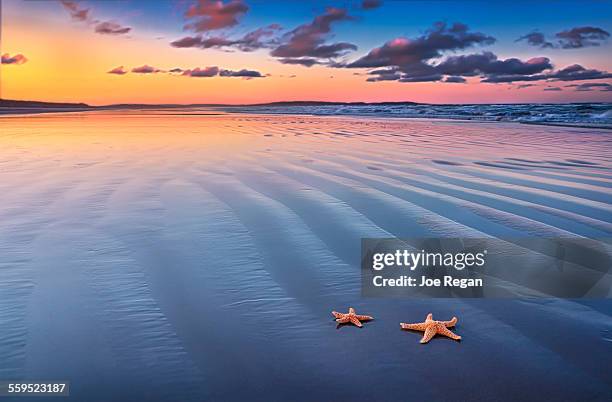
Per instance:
{"type": "Point", "coordinates": [146, 69]}
{"type": "Point", "coordinates": [244, 73]}
{"type": "Point", "coordinates": [15, 59]}
{"type": "Point", "coordinates": [111, 28]}
{"type": "Point", "coordinates": [409, 53]}
{"type": "Point", "coordinates": [251, 41]}
{"type": "Point", "coordinates": [591, 86]}
{"type": "Point", "coordinates": [118, 71]}
{"type": "Point", "coordinates": [308, 40]}
{"type": "Point", "coordinates": [208, 15]}
{"type": "Point", "coordinates": [202, 72]}
{"type": "Point", "coordinates": [574, 38]}
{"type": "Point", "coordinates": [582, 37]}
{"type": "Point", "coordinates": [536, 39]}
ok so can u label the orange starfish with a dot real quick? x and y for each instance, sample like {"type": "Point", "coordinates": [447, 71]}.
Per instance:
{"type": "Point", "coordinates": [431, 328]}
{"type": "Point", "coordinates": [351, 317]}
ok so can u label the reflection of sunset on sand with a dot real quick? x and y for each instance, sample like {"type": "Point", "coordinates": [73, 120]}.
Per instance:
{"type": "Point", "coordinates": [198, 246]}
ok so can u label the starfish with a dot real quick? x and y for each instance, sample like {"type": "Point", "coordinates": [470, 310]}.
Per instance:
{"type": "Point", "coordinates": [431, 328]}
{"type": "Point", "coordinates": [351, 317]}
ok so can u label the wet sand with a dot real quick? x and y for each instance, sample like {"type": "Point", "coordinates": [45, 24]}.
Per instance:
{"type": "Point", "coordinates": [151, 256]}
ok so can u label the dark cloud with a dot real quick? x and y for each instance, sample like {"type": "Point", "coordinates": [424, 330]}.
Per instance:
{"type": "Point", "coordinates": [370, 4]}
{"type": "Point", "coordinates": [536, 39]}
{"type": "Point", "coordinates": [582, 37]}
{"type": "Point", "coordinates": [306, 61]}
{"type": "Point", "coordinates": [145, 69]}
{"type": "Point", "coordinates": [111, 28]}
{"type": "Point", "coordinates": [118, 71]}
{"type": "Point", "coordinates": [487, 63]}
{"type": "Point", "coordinates": [202, 72]}
{"type": "Point", "coordinates": [251, 41]}
{"type": "Point", "coordinates": [208, 15]}
{"type": "Point", "coordinates": [241, 73]}
{"type": "Point", "coordinates": [15, 59]}
{"type": "Point", "coordinates": [408, 54]}
{"type": "Point", "coordinates": [76, 12]}
{"type": "Point", "coordinates": [574, 72]}
{"type": "Point", "coordinates": [591, 86]}
{"type": "Point", "coordinates": [176, 70]}
{"type": "Point", "coordinates": [552, 89]}
{"type": "Point", "coordinates": [308, 40]}
{"type": "Point", "coordinates": [574, 38]}
{"type": "Point", "coordinates": [523, 86]}
{"type": "Point", "coordinates": [455, 79]}
{"type": "Point", "coordinates": [420, 60]}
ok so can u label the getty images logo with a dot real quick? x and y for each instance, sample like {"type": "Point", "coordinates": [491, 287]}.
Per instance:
{"type": "Point", "coordinates": [413, 260]}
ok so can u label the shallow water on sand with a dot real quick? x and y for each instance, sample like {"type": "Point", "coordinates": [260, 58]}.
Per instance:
{"type": "Point", "coordinates": [157, 256]}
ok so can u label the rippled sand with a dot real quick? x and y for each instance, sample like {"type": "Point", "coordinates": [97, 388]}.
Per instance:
{"type": "Point", "coordinates": [166, 256]}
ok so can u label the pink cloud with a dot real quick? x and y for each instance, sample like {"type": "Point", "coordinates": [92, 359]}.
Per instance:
{"type": "Point", "coordinates": [118, 71]}
{"type": "Point", "coordinates": [209, 15]}
{"type": "Point", "coordinates": [146, 69]}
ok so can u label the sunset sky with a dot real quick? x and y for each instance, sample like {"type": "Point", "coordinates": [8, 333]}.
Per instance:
{"type": "Point", "coordinates": [251, 51]}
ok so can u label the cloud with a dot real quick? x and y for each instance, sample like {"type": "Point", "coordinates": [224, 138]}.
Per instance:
{"type": "Point", "coordinates": [308, 40]}
{"type": "Point", "coordinates": [251, 41]}
{"type": "Point", "coordinates": [305, 61]}
{"type": "Point", "coordinates": [118, 71]}
{"type": "Point", "coordinates": [552, 89]}
{"type": "Point", "coordinates": [591, 86]}
{"type": "Point", "coordinates": [15, 59]}
{"type": "Point", "coordinates": [576, 72]}
{"type": "Point", "coordinates": [488, 63]}
{"type": "Point", "coordinates": [370, 4]}
{"type": "Point", "coordinates": [76, 13]}
{"type": "Point", "coordinates": [536, 39]}
{"type": "Point", "coordinates": [202, 72]}
{"type": "Point", "coordinates": [111, 28]}
{"type": "Point", "coordinates": [574, 38]}
{"type": "Point", "coordinates": [421, 60]}
{"type": "Point", "coordinates": [241, 73]}
{"type": "Point", "coordinates": [523, 86]}
{"type": "Point", "coordinates": [582, 37]}
{"type": "Point", "coordinates": [455, 79]}
{"type": "Point", "coordinates": [176, 70]}
{"type": "Point", "coordinates": [146, 69]}
{"type": "Point", "coordinates": [408, 54]}
{"type": "Point", "coordinates": [208, 15]}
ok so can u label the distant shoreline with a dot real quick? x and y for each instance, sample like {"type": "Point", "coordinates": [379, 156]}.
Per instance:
{"type": "Point", "coordinates": [578, 115]}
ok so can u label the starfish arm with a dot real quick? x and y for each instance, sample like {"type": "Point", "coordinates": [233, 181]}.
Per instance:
{"type": "Point", "coordinates": [337, 314]}
{"type": "Point", "coordinates": [351, 310]}
{"type": "Point", "coordinates": [355, 321]}
{"type": "Point", "coordinates": [429, 333]}
{"type": "Point", "coordinates": [418, 326]}
{"type": "Point", "coordinates": [364, 317]}
{"type": "Point", "coordinates": [429, 317]}
{"type": "Point", "coordinates": [450, 323]}
{"type": "Point", "coordinates": [447, 332]}
{"type": "Point", "coordinates": [342, 320]}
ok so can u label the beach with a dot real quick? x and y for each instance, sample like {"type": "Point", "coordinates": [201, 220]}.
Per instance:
{"type": "Point", "coordinates": [197, 255]}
